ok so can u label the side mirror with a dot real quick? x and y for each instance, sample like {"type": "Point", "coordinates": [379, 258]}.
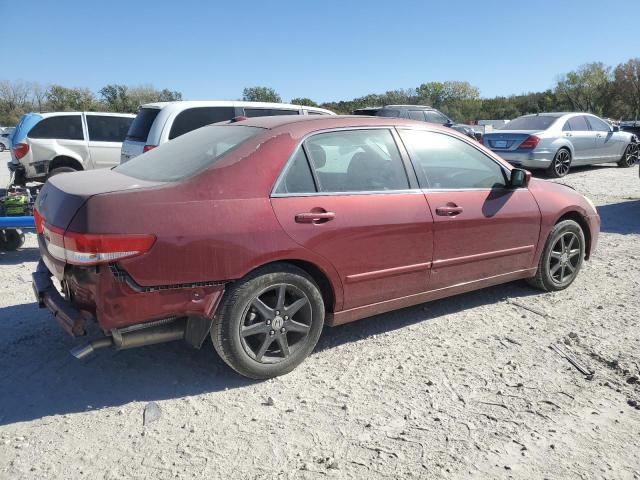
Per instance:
{"type": "Point", "coordinates": [519, 178]}
{"type": "Point", "coordinates": [615, 128]}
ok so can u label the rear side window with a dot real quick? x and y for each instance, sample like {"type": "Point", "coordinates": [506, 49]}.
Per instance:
{"type": "Point", "coordinates": [103, 128]}
{"type": "Point", "coordinates": [578, 124]}
{"type": "Point", "coordinates": [356, 161]}
{"type": "Point", "coordinates": [62, 127]}
{"type": "Point", "coordinates": [388, 113]}
{"type": "Point", "coordinates": [193, 118]}
{"type": "Point", "coordinates": [141, 125]}
{"type": "Point", "coordinates": [416, 115]}
{"type": "Point", "coordinates": [187, 155]}
{"type": "Point", "coordinates": [436, 117]}
{"type": "Point", "coordinates": [297, 178]}
{"type": "Point", "coordinates": [446, 162]}
{"type": "Point", "coordinates": [311, 112]}
{"type": "Point", "coordinates": [268, 112]}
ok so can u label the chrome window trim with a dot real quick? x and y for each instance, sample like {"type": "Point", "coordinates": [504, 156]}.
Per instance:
{"type": "Point", "coordinates": [284, 169]}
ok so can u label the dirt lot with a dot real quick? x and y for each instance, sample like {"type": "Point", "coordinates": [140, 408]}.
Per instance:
{"type": "Point", "coordinates": [462, 387]}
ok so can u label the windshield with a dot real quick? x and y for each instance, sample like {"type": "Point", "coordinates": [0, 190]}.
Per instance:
{"type": "Point", "coordinates": [188, 154]}
{"type": "Point", "coordinates": [530, 122]}
{"type": "Point", "coordinates": [139, 129]}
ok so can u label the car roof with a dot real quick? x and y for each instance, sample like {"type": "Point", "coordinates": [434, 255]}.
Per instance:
{"type": "Point", "coordinates": [109, 114]}
{"type": "Point", "coordinates": [184, 104]}
{"type": "Point", "coordinates": [335, 121]}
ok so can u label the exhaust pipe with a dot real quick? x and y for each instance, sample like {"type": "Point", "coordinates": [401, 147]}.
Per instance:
{"type": "Point", "coordinates": [162, 331]}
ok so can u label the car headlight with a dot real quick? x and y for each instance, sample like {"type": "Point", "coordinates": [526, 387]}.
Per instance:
{"type": "Point", "coordinates": [590, 203]}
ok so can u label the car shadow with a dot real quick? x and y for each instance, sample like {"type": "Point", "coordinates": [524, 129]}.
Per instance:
{"type": "Point", "coordinates": [621, 217]}
{"type": "Point", "coordinates": [43, 379]}
{"type": "Point", "coordinates": [574, 170]}
{"type": "Point", "coordinates": [16, 257]}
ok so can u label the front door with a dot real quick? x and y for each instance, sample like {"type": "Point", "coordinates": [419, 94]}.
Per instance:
{"type": "Point", "coordinates": [607, 146]}
{"type": "Point", "coordinates": [482, 228]}
{"type": "Point", "coordinates": [355, 207]}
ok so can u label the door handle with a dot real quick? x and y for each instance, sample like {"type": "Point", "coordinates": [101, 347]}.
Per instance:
{"type": "Point", "coordinates": [598, 135]}
{"type": "Point", "coordinates": [449, 211]}
{"type": "Point", "coordinates": [567, 134]}
{"type": "Point", "coordinates": [315, 217]}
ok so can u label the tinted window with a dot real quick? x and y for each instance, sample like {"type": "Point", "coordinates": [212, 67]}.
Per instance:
{"type": "Point", "coordinates": [598, 125]}
{"type": "Point", "coordinates": [372, 112]}
{"type": "Point", "coordinates": [194, 118]}
{"type": "Point", "coordinates": [416, 115]}
{"type": "Point", "coordinates": [297, 178]}
{"type": "Point", "coordinates": [436, 117]}
{"type": "Point", "coordinates": [311, 112]}
{"type": "Point", "coordinates": [449, 163]}
{"type": "Point", "coordinates": [530, 122]}
{"type": "Point", "coordinates": [578, 124]}
{"type": "Point", "coordinates": [108, 128]}
{"type": "Point", "coordinates": [139, 129]}
{"type": "Point", "coordinates": [63, 127]}
{"type": "Point", "coordinates": [268, 112]}
{"type": "Point", "coordinates": [356, 161]}
{"type": "Point", "coordinates": [385, 112]}
{"type": "Point", "coordinates": [187, 155]}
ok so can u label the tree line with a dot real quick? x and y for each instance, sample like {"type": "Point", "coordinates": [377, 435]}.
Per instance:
{"type": "Point", "coordinates": [607, 91]}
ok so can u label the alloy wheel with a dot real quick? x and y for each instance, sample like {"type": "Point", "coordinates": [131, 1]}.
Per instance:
{"type": "Point", "coordinates": [276, 323]}
{"type": "Point", "coordinates": [631, 154]}
{"type": "Point", "coordinates": [564, 259]}
{"type": "Point", "coordinates": [562, 163]}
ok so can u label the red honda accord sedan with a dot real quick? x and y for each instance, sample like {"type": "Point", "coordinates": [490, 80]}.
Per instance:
{"type": "Point", "coordinates": [259, 232]}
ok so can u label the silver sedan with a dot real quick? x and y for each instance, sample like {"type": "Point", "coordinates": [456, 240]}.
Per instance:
{"type": "Point", "coordinates": [558, 141]}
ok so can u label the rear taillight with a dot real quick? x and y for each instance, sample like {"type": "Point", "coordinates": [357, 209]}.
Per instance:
{"type": "Point", "coordinates": [530, 142]}
{"type": "Point", "coordinates": [93, 249]}
{"type": "Point", "coordinates": [146, 148]}
{"type": "Point", "coordinates": [20, 150]}
{"type": "Point", "coordinates": [37, 220]}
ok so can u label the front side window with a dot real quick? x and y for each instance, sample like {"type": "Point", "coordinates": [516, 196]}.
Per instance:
{"type": "Point", "coordinates": [598, 125]}
{"type": "Point", "coordinates": [61, 127]}
{"type": "Point", "coordinates": [356, 161]}
{"type": "Point", "coordinates": [103, 128]}
{"type": "Point", "coordinates": [446, 162]}
{"type": "Point", "coordinates": [194, 118]}
{"type": "Point", "coordinates": [578, 124]}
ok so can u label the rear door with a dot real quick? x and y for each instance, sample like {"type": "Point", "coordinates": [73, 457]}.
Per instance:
{"type": "Point", "coordinates": [482, 229]}
{"type": "Point", "coordinates": [106, 134]}
{"type": "Point", "coordinates": [345, 195]}
{"type": "Point", "coordinates": [59, 135]}
{"type": "Point", "coordinates": [583, 139]}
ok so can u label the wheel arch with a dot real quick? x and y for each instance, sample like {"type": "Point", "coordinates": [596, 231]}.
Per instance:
{"type": "Point", "coordinates": [584, 225]}
{"type": "Point", "coordinates": [65, 161]}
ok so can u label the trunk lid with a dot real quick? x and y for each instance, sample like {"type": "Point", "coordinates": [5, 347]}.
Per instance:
{"type": "Point", "coordinates": [63, 195]}
{"type": "Point", "coordinates": [505, 140]}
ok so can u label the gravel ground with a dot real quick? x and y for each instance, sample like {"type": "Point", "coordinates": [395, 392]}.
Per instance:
{"type": "Point", "coordinates": [461, 387]}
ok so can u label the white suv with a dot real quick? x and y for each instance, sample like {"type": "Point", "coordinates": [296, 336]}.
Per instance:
{"type": "Point", "coordinates": [157, 123]}
{"type": "Point", "coordinates": [45, 144]}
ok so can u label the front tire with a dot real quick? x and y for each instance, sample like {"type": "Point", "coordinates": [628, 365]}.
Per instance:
{"type": "Point", "coordinates": [561, 164]}
{"type": "Point", "coordinates": [630, 156]}
{"type": "Point", "coordinates": [561, 258]}
{"type": "Point", "coordinates": [269, 321]}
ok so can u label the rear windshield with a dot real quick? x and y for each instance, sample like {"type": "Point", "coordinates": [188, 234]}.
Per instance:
{"type": "Point", "coordinates": [139, 129]}
{"type": "Point", "coordinates": [533, 122]}
{"type": "Point", "coordinates": [188, 154]}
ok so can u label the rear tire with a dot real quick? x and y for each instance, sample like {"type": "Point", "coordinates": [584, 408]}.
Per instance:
{"type": "Point", "coordinates": [561, 258]}
{"type": "Point", "coordinates": [251, 330]}
{"type": "Point", "coordinates": [630, 156]}
{"type": "Point", "coordinates": [59, 170]}
{"type": "Point", "coordinates": [2, 147]}
{"type": "Point", "coordinates": [561, 164]}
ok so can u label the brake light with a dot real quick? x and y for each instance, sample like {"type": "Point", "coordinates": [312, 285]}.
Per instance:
{"type": "Point", "coordinates": [37, 218]}
{"type": "Point", "coordinates": [20, 150]}
{"type": "Point", "coordinates": [146, 148]}
{"type": "Point", "coordinates": [93, 249]}
{"type": "Point", "coordinates": [530, 142]}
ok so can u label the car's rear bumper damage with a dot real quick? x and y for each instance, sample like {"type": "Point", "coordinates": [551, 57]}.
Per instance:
{"type": "Point", "coordinates": [129, 315]}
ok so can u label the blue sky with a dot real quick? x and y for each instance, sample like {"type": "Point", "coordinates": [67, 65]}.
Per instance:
{"type": "Point", "coordinates": [326, 50]}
